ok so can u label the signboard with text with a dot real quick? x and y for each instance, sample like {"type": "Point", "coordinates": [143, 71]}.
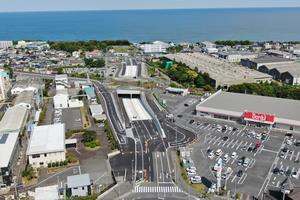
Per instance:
{"type": "Point", "coordinates": [259, 117]}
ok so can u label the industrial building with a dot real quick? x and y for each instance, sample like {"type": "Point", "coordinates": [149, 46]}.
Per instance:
{"type": "Point", "coordinates": [287, 73]}
{"type": "Point", "coordinates": [62, 100]}
{"type": "Point", "coordinates": [221, 72]}
{"type": "Point", "coordinates": [155, 47]}
{"type": "Point", "coordinates": [14, 119]}
{"type": "Point", "coordinates": [97, 112]}
{"type": "Point", "coordinates": [237, 56]}
{"type": "Point", "coordinates": [26, 85]}
{"type": "Point", "coordinates": [6, 44]}
{"type": "Point", "coordinates": [264, 60]}
{"type": "Point", "coordinates": [252, 109]}
{"type": "Point", "coordinates": [208, 47]}
{"type": "Point", "coordinates": [26, 99]}
{"type": "Point", "coordinates": [46, 145]}
{"type": "Point", "coordinates": [61, 81]}
{"type": "Point", "coordinates": [47, 193]}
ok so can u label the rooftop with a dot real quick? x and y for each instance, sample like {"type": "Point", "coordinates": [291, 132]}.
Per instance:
{"type": "Point", "coordinates": [238, 103]}
{"type": "Point", "coordinates": [223, 72]}
{"type": "Point", "coordinates": [96, 108]}
{"type": "Point", "coordinates": [25, 97]}
{"type": "Point", "coordinates": [90, 91]}
{"type": "Point", "coordinates": [7, 145]}
{"type": "Point", "coordinates": [78, 180]}
{"type": "Point", "coordinates": [270, 59]}
{"type": "Point", "coordinates": [292, 68]}
{"type": "Point", "coordinates": [13, 119]}
{"type": "Point", "coordinates": [46, 139]}
{"type": "Point", "coordinates": [47, 193]}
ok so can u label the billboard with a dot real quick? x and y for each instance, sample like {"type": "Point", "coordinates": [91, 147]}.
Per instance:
{"type": "Point", "coordinates": [259, 117]}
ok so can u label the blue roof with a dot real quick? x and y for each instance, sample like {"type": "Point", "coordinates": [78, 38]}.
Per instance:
{"type": "Point", "coordinates": [90, 91]}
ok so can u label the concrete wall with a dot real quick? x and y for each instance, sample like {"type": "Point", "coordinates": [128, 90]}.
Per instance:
{"type": "Point", "coordinates": [46, 158]}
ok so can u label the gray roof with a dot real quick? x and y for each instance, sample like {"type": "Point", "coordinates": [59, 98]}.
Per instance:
{"type": "Point", "coordinates": [78, 180]}
{"type": "Point", "coordinates": [13, 119]}
{"type": "Point", "coordinates": [285, 110]}
{"type": "Point", "coordinates": [25, 97]}
{"type": "Point", "coordinates": [270, 59]}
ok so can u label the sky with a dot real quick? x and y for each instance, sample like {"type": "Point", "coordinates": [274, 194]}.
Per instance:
{"type": "Point", "coordinates": [58, 5]}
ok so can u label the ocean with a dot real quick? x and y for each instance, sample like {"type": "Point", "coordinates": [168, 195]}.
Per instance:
{"type": "Point", "coordinates": [184, 25]}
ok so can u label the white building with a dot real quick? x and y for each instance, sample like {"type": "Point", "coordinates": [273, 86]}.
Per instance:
{"type": "Point", "coordinates": [26, 85]}
{"type": "Point", "coordinates": [6, 44]}
{"type": "Point", "coordinates": [14, 119]}
{"type": "Point", "coordinates": [47, 193]}
{"type": "Point", "coordinates": [47, 145]}
{"type": "Point", "coordinates": [208, 47]}
{"type": "Point", "coordinates": [26, 99]}
{"type": "Point", "coordinates": [5, 84]}
{"type": "Point", "coordinates": [61, 99]}
{"type": "Point", "coordinates": [237, 56]}
{"type": "Point", "coordinates": [97, 112]}
{"type": "Point", "coordinates": [79, 185]}
{"type": "Point", "coordinates": [155, 47]}
{"type": "Point", "coordinates": [61, 81]}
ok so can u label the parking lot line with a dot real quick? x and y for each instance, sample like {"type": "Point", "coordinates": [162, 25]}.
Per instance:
{"type": "Point", "coordinates": [234, 144]}
{"type": "Point", "coordinates": [233, 178]}
{"type": "Point", "coordinates": [229, 143]}
{"type": "Point", "coordinates": [243, 133]}
{"type": "Point", "coordinates": [242, 179]}
{"type": "Point", "coordinates": [219, 143]}
{"type": "Point", "coordinates": [239, 145]}
{"type": "Point", "coordinates": [233, 160]}
{"type": "Point", "coordinates": [212, 139]}
{"type": "Point", "coordinates": [225, 143]}
{"type": "Point", "coordinates": [292, 154]}
{"type": "Point", "coordinates": [249, 145]}
{"type": "Point", "coordinates": [216, 140]}
{"type": "Point", "coordinates": [219, 156]}
{"type": "Point", "coordinates": [206, 127]}
{"type": "Point", "coordinates": [297, 157]}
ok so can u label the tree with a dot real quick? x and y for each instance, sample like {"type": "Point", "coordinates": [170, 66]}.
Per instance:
{"type": "Point", "coordinates": [199, 81]}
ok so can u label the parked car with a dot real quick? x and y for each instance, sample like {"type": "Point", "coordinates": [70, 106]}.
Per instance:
{"type": "Point", "coordinates": [233, 155]}
{"type": "Point", "coordinates": [218, 152]}
{"type": "Point", "coordinates": [294, 175]}
{"type": "Point", "coordinates": [288, 172]}
{"type": "Point", "coordinates": [191, 121]}
{"type": "Point", "coordinates": [196, 179]}
{"type": "Point", "coordinates": [225, 138]}
{"type": "Point", "coordinates": [240, 173]}
{"type": "Point", "coordinates": [191, 169]}
{"type": "Point", "coordinates": [276, 170]}
{"type": "Point", "coordinates": [191, 173]}
{"type": "Point", "coordinates": [225, 158]}
{"type": "Point", "coordinates": [246, 162]}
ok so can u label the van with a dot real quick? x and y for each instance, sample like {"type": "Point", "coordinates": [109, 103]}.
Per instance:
{"type": "Point", "coordinates": [246, 162]}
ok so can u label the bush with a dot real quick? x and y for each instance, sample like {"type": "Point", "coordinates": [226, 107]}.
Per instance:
{"type": "Point", "coordinates": [61, 163]}
{"type": "Point", "coordinates": [110, 136]}
{"type": "Point", "coordinates": [65, 162]}
{"type": "Point", "coordinates": [49, 165]}
{"type": "Point", "coordinates": [28, 172]}
{"type": "Point", "coordinates": [71, 158]}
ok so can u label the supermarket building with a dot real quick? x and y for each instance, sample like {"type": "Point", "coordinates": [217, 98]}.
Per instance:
{"type": "Point", "coordinates": [262, 111]}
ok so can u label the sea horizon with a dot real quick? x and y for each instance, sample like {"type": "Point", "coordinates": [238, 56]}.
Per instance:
{"type": "Point", "coordinates": [170, 25]}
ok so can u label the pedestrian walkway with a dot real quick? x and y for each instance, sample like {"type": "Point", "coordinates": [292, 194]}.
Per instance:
{"type": "Point", "coordinates": [157, 189]}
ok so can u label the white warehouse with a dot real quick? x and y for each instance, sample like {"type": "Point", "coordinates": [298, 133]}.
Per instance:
{"type": "Point", "coordinates": [47, 145]}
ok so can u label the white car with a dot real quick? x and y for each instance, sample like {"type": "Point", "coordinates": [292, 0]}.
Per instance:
{"type": "Point", "coordinates": [289, 142]}
{"type": "Point", "coordinates": [230, 128]}
{"type": "Point", "coordinates": [233, 155]}
{"type": "Point", "coordinates": [191, 173]}
{"type": "Point", "coordinates": [196, 179]}
{"type": "Point", "coordinates": [226, 156]}
{"type": "Point", "coordinates": [211, 155]}
{"type": "Point", "coordinates": [258, 136]}
{"type": "Point", "coordinates": [218, 152]}
{"type": "Point", "coordinates": [191, 169]}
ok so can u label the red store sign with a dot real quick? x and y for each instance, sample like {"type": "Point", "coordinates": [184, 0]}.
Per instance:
{"type": "Point", "coordinates": [259, 117]}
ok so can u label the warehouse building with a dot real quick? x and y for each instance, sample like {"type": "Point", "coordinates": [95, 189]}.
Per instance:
{"type": "Point", "coordinates": [252, 109]}
{"type": "Point", "coordinates": [47, 145]}
{"type": "Point", "coordinates": [237, 56]}
{"type": "Point", "coordinates": [264, 60]}
{"type": "Point", "coordinates": [221, 73]}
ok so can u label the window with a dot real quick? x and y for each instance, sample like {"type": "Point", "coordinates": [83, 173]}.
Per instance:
{"type": "Point", "coordinates": [82, 188]}
{"type": "Point", "coordinates": [35, 155]}
{"type": "Point", "coordinates": [41, 163]}
{"type": "Point", "coordinates": [45, 155]}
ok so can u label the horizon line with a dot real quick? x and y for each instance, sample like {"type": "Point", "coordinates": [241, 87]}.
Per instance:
{"type": "Point", "coordinates": [148, 9]}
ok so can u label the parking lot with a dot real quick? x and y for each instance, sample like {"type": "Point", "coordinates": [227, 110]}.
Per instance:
{"type": "Point", "coordinates": [263, 149]}
{"type": "Point", "coordinates": [70, 116]}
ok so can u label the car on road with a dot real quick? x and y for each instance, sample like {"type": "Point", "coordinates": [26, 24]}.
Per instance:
{"type": "Point", "coordinates": [196, 180]}
{"type": "Point", "coordinates": [186, 105]}
{"type": "Point", "coordinates": [225, 138]}
{"type": "Point", "coordinates": [240, 173]}
{"type": "Point", "coordinates": [233, 155]}
{"type": "Point", "coordinates": [179, 116]}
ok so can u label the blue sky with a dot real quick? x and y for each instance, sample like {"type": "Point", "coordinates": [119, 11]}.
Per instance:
{"type": "Point", "coordinates": [42, 5]}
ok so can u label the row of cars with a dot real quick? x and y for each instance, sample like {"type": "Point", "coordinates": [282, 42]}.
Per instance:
{"type": "Point", "coordinates": [253, 134]}
{"type": "Point", "coordinates": [191, 171]}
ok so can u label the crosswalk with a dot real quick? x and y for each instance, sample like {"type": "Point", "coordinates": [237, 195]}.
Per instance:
{"type": "Point", "coordinates": [157, 189]}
